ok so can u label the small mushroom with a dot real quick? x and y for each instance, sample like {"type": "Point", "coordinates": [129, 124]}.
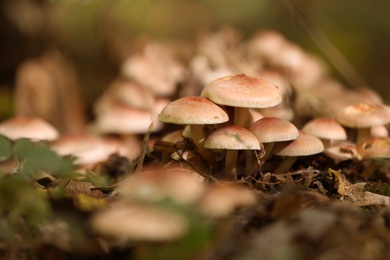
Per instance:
{"type": "Point", "coordinates": [363, 116]}
{"type": "Point", "coordinates": [373, 148]}
{"type": "Point", "coordinates": [327, 129]}
{"type": "Point", "coordinates": [232, 138]}
{"type": "Point", "coordinates": [194, 111]}
{"type": "Point", "coordinates": [269, 130]}
{"type": "Point", "coordinates": [304, 145]}
{"type": "Point", "coordinates": [123, 222]}
{"type": "Point", "coordinates": [33, 128]}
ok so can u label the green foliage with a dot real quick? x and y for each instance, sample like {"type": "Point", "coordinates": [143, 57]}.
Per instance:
{"type": "Point", "coordinates": [5, 148]}
{"type": "Point", "coordinates": [22, 207]}
{"type": "Point", "coordinates": [38, 156]}
{"type": "Point", "coordinates": [22, 204]}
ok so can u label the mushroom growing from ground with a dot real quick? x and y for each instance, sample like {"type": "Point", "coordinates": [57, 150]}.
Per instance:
{"type": "Point", "coordinates": [33, 128]}
{"type": "Point", "coordinates": [327, 129]}
{"type": "Point", "coordinates": [269, 130]}
{"type": "Point", "coordinates": [242, 92]}
{"type": "Point", "coordinates": [304, 145]}
{"type": "Point", "coordinates": [123, 222]}
{"type": "Point", "coordinates": [364, 116]}
{"type": "Point", "coordinates": [373, 148]}
{"type": "Point", "coordinates": [195, 112]}
{"type": "Point", "coordinates": [232, 138]}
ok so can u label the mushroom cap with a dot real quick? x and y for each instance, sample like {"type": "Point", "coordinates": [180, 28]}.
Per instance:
{"type": "Point", "coordinates": [361, 115]}
{"type": "Point", "coordinates": [125, 92]}
{"type": "Point", "coordinates": [121, 119]}
{"type": "Point", "coordinates": [232, 137]}
{"type": "Point", "coordinates": [221, 200]}
{"type": "Point", "coordinates": [193, 111]}
{"type": "Point", "coordinates": [33, 128]}
{"type": "Point", "coordinates": [242, 91]}
{"type": "Point", "coordinates": [304, 145]}
{"type": "Point", "coordinates": [87, 148]}
{"type": "Point", "coordinates": [155, 68]}
{"type": "Point", "coordinates": [325, 128]}
{"type": "Point", "coordinates": [181, 185]}
{"type": "Point", "coordinates": [374, 147]}
{"type": "Point", "coordinates": [138, 222]}
{"type": "Point", "coordinates": [274, 129]}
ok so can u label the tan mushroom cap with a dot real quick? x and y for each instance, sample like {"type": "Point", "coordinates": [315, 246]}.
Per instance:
{"type": "Point", "coordinates": [90, 149]}
{"type": "Point", "coordinates": [121, 119]}
{"type": "Point", "coordinates": [242, 91]}
{"type": "Point", "coordinates": [304, 145]}
{"type": "Point", "coordinates": [221, 200]}
{"type": "Point", "coordinates": [374, 147]}
{"type": "Point", "coordinates": [193, 111]}
{"type": "Point", "coordinates": [180, 185]}
{"type": "Point", "coordinates": [274, 129]}
{"type": "Point", "coordinates": [125, 92]}
{"type": "Point", "coordinates": [363, 115]}
{"type": "Point", "coordinates": [123, 222]}
{"type": "Point", "coordinates": [232, 137]}
{"type": "Point", "coordinates": [325, 128]}
{"type": "Point", "coordinates": [33, 128]}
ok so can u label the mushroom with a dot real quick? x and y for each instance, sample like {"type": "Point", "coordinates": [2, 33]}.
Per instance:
{"type": "Point", "coordinates": [373, 148]}
{"type": "Point", "coordinates": [125, 92]}
{"type": "Point", "coordinates": [364, 116]}
{"type": "Point", "coordinates": [90, 149]}
{"type": "Point", "coordinates": [232, 138]}
{"type": "Point", "coordinates": [327, 129]}
{"type": "Point", "coordinates": [269, 130]}
{"type": "Point", "coordinates": [242, 92]}
{"type": "Point", "coordinates": [304, 145]}
{"type": "Point", "coordinates": [194, 111]}
{"type": "Point", "coordinates": [180, 185]}
{"type": "Point", "coordinates": [155, 68]}
{"type": "Point", "coordinates": [220, 200]}
{"type": "Point", "coordinates": [123, 222]}
{"type": "Point", "coordinates": [33, 128]}
{"type": "Point", "coordinates": [124, 120]}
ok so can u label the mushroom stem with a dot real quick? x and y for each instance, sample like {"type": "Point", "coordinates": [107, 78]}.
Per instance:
{"type": "Point", "coordinates": [198, 136]}
{"type": "Point", "coordinates": [267, 150]}
{"type": "Point", "coordinates": [241, 116]}
{"type": "Point", "coordinates": [248, 162]}
{"type": "Point", "coordinates": [326, 142]}
{"type": "Point", "coordinates": [286, 164]}
{"type": "Point", "coordinates": [362, 134]}
{"type": "Point", "coordinates": [230, 163]}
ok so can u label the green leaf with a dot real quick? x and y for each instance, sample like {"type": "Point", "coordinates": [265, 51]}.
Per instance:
{"type": "Point", "coordinates": [38, 156]}
{"type": "Point", "coordinates": [5, 148]}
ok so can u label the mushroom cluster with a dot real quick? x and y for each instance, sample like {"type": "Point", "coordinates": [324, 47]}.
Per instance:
{"type": "Point", "coordinates": [253, 111]}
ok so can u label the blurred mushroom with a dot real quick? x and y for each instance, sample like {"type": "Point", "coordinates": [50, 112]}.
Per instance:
{"type": "Point", "coordinates": [364, 116]}
{"type": "Point", "coordinates": [327, 129]}
{"type": "Point", "coordinates": [124, 222]}
{"type": "Point", "coordinates": [156, 68]}
{"type": "Point", "coordinates": [33, 128]}
{"type": "Point", "coordinates": [125, 92]}
{"type": "Point", "coordinates": [181, 185]}
{"type": "Point", "coordinates": [373, 148]}
{"type": "Point", "coordinates": [220, 200]}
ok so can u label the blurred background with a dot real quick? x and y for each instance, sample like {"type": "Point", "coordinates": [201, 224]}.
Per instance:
{"type": "Point", "coordinates": [95, 36]}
